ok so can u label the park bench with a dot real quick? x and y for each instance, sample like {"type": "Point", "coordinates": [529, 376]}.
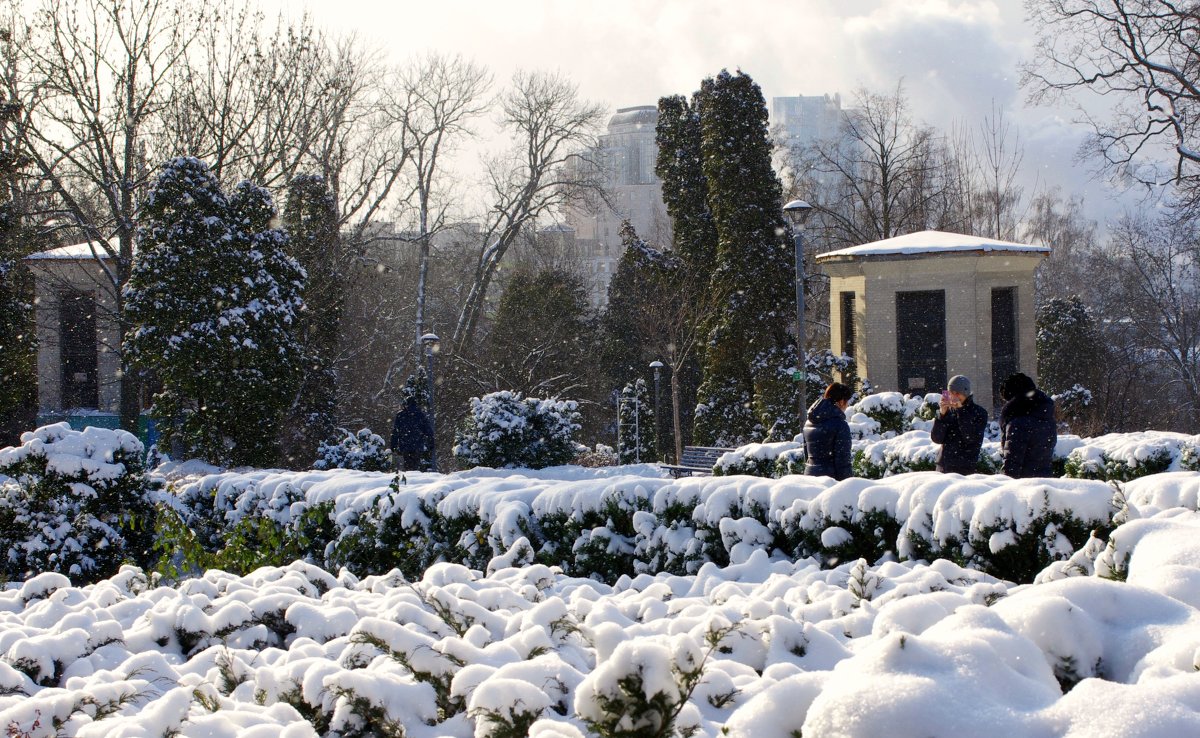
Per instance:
{"type": "Point", "coordinates": [696, 460]}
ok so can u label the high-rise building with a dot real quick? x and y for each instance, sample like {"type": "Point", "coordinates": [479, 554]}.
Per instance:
{"type": "Point", "coordinates": [806, 119]}
{"type": "Point", "coordinates": [628, 153]}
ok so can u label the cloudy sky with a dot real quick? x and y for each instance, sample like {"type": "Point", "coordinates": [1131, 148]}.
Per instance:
{"type": "Point", "coordinates": [955, 58]}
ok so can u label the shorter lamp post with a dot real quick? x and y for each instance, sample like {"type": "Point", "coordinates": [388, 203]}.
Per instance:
{"type": "Point", "coordinates": [657, 367]}
{"type": "Point", "coordinates": [798, 212]}
{"type": "Point", "coordinates": [432, 345]}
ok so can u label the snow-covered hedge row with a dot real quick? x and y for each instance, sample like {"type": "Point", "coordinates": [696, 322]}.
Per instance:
{"type": "Point", "coordinates": [760, 649]}
{"type": "Point", "coordinates": [607, 524]}
{"type": "Point", "coordinates": [75, 502]}
{"type": "Point", "coordinates": [1115, 457]}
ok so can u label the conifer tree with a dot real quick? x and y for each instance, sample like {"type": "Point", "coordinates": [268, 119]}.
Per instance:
{"type": "Point", "coordinates": [745, 394]}
{"type": "Point", "coordinates": [684, 186]}
{"type": "Point", "coordinates": [644, 276]}
{"type": "Point", "coordinates": [213, 300]}
{"type": "Point", "coordinates": [636, 439]}
{"type": "Point", "coordinates": [310, 217]}
{"type": "Point", "coordinates": [18, 344]}
{"type": "Point", "coordinates": [416, 387]}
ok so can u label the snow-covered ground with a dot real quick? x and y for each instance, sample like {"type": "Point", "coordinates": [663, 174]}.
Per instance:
{"type": "Point", "coordinates": [742, 638]}
{"type": "Point", "coordinates": [781, 647]}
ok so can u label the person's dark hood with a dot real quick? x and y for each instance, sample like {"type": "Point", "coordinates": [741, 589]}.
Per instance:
{"type": "Point", "coordinates": [823, 410]}
{"type": "Point", "coordinates": [1039, 405]}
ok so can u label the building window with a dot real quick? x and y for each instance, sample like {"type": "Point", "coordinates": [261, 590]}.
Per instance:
{"type": "Point", "coordinates": [77, 348]}
{"type": "Point", "coordinates": [848, 325]}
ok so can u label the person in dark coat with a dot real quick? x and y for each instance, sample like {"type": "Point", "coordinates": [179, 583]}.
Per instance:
{"type": "Point", "coordinates": [1028, 431]}
{"type": "Point", "coordinates": [959, 428]}
{"type": "Point", "coordinates": [827, 435]}
{"type": "Point", "coordinates": [412, 436]}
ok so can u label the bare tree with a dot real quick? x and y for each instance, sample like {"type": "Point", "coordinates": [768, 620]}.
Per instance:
{"type": "Point", "coordinates": [1000, 162]}
{"type": "Point", "coordinates": [434, 99]}
{"type": "Point", "coordinates": [1144, 56]}
{"type": "Point", "coordinates": [1157, 280]}
{"type": "Point", "coordinates": [97, 78]}
{"type": "Point", "coordinates": [553, 134]}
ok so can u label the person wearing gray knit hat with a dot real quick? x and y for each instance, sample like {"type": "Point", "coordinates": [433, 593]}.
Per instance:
{"type": "Point", "coordinates": [959, 428]}
{"type": "Point", "coordinates": [960, 384]}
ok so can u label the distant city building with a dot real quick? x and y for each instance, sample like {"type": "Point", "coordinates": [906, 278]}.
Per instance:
{"type": "Point", "coordinates": [806, 119]}
{"type": "Point", "coordinates": [627, 153]}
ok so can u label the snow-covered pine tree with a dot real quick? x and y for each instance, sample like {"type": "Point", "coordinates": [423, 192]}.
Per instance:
{"type": "Point", "coordinates": [636, 436]}
{"type": "Point", "coordinates": [310, 217]}
{"type": "Point", "coordinates": [416, 387]}
{"type": "Point", "coordinates": [213, 302]}
{"type": "Point", "coordinates": [745, 394]}
{"type": "Point", "coordinates": [642, 280]}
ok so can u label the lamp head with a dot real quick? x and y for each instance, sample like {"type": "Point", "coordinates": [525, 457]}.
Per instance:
{"type": "Point", "coordinates": [798, 211]}
{"type": "Point", "coordinates": [431, 342]}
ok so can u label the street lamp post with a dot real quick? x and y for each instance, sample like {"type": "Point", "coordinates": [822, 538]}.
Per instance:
{"type": "Point", "coordinates": [432, 344]}
{"type": "Point", "coordinates": [798, 212]}
{"type": "Point", "coordinates": [657, 367]}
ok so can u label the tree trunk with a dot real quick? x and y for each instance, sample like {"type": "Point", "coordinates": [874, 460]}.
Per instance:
{"type": "Point", "coordinates": [675, 409]}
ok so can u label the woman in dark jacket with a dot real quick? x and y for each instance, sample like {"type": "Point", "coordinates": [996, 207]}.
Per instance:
{"type": "Point", "coordinates": [1028, 431]}
{"type": "Point", "coordinates": [827, 435]}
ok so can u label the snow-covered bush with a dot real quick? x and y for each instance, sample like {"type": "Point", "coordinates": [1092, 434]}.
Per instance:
{"type": "Point", "coordinates": [506, 430]}
{"type": "Point", "coordinates": [601, 455]}
{"type": "Point", "coordinates": [644, 688]}
{"type": "Point", "coordinates": [363, 450]}
{"type": "Point", "coordinates": [1125, 456]}
{"type": "Point", "coordinates": [757, 459]}
{"type": "Point", "coordinates": [74, 502]}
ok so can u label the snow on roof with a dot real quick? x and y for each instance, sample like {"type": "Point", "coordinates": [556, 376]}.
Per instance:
{"type": "Point", "coordinates": [77, 251]}
{"type": "Point", "coordinates": [932, 242]}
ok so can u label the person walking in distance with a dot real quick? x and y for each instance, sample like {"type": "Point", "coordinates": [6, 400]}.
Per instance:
{"type": "Point", "coordinates": [959, 428]}
{"type": "Point", "coordinates": [412, 437]}
{"type": "Point", "coordinates": [827, 435]}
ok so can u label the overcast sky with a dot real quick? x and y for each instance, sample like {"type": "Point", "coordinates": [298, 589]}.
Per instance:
{"type": "Point", "coordinates": [955, 58]}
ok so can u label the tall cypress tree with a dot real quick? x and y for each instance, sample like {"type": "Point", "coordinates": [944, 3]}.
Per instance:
{"type": "Point", "coordinates": [684, 186]}
{"type": "Point", "coordinates": [18, 344]}
{"type": "Point", "coordinates": [310, 217]}
{"type": "Point", "coordinates": [745, 393]}
{"type": "Point", "coordinates": [213, 300]}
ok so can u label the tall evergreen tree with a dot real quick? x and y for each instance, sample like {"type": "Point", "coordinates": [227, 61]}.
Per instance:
{"type": "Point", "coordinates": [637, 440]}
{"type": "Point", "coordinates": [542, 340]}
{"type": "Point", "coordinates": [18, 344]}
{"type": "Point", "coordinates": [650, 306]}
{"type": "Point", "coordinates": [213, 299]}
{"type": "Point", "coordinates": [644, 276]}
{"type": "Point", "coordinates": [310, 217]}
{"type": "Point", "coordinates": [684, 186]}
{"type": "Point", "coordinates": [746, 392]}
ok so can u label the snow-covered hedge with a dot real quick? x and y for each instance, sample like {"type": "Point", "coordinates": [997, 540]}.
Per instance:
{"type": "Point", "coordinates": [609, 523]}
{"type": "Point", "coordinates": [506, 430]}
{"type": "Point", "coordinates": [362, 450]}
{"type": "Point", "coordinates": [74, 502]}
{"type": "Point", "coordinates": [1126, 456]}
{"type": "Point", "coordinates": [764, 648]}
{"type": "Point", "coordinates": [1116, 457]}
